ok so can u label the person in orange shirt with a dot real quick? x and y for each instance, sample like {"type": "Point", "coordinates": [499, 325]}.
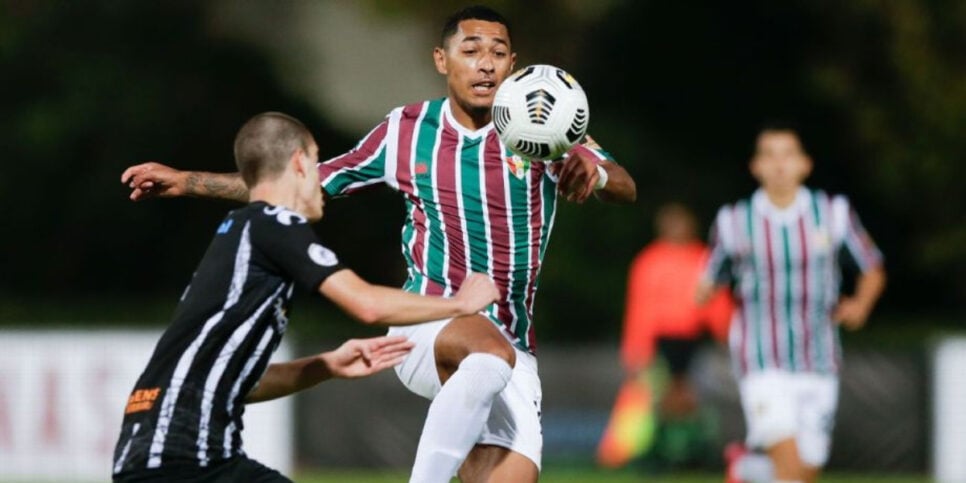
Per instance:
{"type": "Point", "coordinates": [661, 314]}
{"type": "Point", "coordinates": [662, 319]}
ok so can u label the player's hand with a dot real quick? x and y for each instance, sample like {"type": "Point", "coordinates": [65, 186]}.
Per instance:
{"type": "Point", "coordinates": [364, 357]}
{"type": "Point", "coordinates": [477, 292]}
{"type": "Point", "coordinates": [577, 173]}
{"type": "Point", "coordinates": [154, 180]}
{"type": "Point", "coordinates": [704, 292]}
{"type": "Point", "coordinates": [851, 313]}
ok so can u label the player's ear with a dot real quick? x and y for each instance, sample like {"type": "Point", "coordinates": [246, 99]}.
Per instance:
{"type": "Point", "coordinates": [808, 166]}
{"type": "Point", "coordinates": [753, 167]}
{"type": "Point", "coordinates": [439, 58]}
{"type": "Point", "coordinates": [296, 161]}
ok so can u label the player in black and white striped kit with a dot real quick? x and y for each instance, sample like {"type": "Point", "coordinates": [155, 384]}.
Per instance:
{"type": "Point", "coordinates": [183, 418]}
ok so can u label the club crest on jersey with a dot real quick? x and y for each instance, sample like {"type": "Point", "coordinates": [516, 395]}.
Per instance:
{"type": "Point", "coordinates": [821, 239]}
{"type": "Point", "coordinates": [322, 256]}
{"type": "Point", "coordinates": [517, 165]}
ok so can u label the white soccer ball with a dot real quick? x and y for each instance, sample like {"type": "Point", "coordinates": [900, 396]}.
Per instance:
{"type": "Point", "coordinates": [540, 112]}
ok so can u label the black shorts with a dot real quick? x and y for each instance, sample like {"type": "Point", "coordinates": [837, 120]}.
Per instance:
{"type": "Point", "coordinates": [679, 352]}
{"type": "Point", "coordinates": [239, 469]}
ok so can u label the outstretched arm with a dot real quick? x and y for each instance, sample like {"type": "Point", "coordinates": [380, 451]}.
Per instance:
{"type": "Point", "coordinates": [620, 187]}
{"type": "Point", "coordinates": [155, 180]}
{"type": "Point", "coordinates": [355, 358]}
{"type": "Point", "coordinates": [377, 304]}
{"type": "Point", "coordinates": [579, 176]}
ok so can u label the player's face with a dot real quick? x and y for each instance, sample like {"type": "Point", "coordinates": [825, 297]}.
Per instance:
{"type": "Point", "coordinates": [310, 192]}
{"type": "Point", "coordinates": [780, 164]}
{"type": "Point", "coordinates": [475, 60]}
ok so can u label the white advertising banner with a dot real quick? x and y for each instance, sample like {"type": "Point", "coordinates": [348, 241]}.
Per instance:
{"type": "Point", "coordinates": [949, 410]}
{"type": "Point", "coordinates": [62, 396]}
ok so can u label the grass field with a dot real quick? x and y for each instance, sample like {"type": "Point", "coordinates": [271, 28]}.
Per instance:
{"type": "Point", "coordinates": [568, 476]}
{"type": "Point", "coordinates": [592, 476]}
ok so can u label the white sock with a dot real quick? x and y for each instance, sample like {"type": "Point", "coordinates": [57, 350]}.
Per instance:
{"type": "Point", "coordinates": [755, 468]}
{"type": "Point", "coordinates": [457, 415]}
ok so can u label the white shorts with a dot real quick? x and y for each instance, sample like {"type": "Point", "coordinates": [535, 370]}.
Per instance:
{"type": "Point", "coordinates": [514, 421]}
{"type": "Point", "coordinates": [779, 405]}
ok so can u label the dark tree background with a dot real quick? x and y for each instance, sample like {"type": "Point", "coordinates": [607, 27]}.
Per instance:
{"type": "Point", "coordinates": [676, 92]}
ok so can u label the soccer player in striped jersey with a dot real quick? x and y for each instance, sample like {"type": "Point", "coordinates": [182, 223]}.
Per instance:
{"type": "Point", "coordinates": [471, 206]}
{"type": "Point", "coordinates": [183, 419]}
{"type": "Point", "coordinates": [782, 250]}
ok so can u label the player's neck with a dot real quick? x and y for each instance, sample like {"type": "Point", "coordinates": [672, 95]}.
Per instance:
{"type": "Point", "coordinates": [782, 198]}
{"type": "Point", "coordinates": [473, 120]}
{"type": "Point", "coordinates": [274, 195]}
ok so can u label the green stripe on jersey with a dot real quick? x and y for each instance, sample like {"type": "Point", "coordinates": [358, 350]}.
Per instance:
{"type": "Point", "coordinates": [788, 298]}
{"type": "Point", "coordinates": [471, 182]}
{"type": "Point", "coordinates": [756, 294]}
{"type": "Point", "coordinates": [520, 270]}
{"type": "Point", "coordinates": [818, 316]}
{"type": "Point", "coordinates": [424, 180]}
{"type": "Point", "coordinates": [549, 189]}
{"type": "Point", "coordinates": [373, 170]}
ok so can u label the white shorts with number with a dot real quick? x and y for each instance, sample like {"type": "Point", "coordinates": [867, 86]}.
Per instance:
{"type": "Point", "coordinates": [514, 421]}
{"type": "Point", "coordinates": [779, 405]}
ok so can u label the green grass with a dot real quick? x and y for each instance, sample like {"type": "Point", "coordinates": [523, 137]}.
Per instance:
{"type": "Point", "coordinates": [564, 475]}
{"type": "Point", "coordinates": [595, 476]}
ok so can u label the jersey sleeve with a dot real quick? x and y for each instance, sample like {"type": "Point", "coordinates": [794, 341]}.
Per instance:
{"type": "Point", "coordinates": [856, 243]}
{"type": "Point", "coordinates": [288, 241]}
{"type": "Point", "coordinates": [718, 268]}
{"type": "Point", "coordinates": [364, 165]}
{"type": "Point", "coordinates": [717, 312]}
{"type": "Point", "coordinates": [591, 145]}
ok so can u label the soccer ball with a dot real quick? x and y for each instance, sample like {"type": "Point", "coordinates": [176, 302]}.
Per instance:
{"type": "Point", "coordinates": [540, 112]}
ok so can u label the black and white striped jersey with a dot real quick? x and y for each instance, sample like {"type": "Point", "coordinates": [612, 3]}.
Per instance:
{"type": "Point", "coordinates": [186, 408]}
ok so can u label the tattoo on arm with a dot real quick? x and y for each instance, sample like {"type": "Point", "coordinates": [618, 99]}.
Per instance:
{"type": "Point", "coordinates": [217, 185]}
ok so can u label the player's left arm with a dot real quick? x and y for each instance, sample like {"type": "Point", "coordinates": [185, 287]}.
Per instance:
{"type": "Point", "coordinates": [853, 310]}
{"type": "Point", "coordinates": [587, 169]}
{"type": "Point", "coordinates": [354, 358]}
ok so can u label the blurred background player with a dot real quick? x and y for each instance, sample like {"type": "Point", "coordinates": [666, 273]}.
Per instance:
{"type": "Point", "coordinates": [183, 420]}
{"type": "Point", "coordinates": [466, 211]}
{"type": "Point", "coordinates": [662, 319]}
{"type": "Point", "coordinates": [782, 249]}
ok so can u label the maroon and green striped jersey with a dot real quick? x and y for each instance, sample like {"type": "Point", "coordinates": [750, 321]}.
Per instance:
{"type": "Point", "coordinates": [471, 205]}
{"type": "Point", "coordinates": [785, 265]}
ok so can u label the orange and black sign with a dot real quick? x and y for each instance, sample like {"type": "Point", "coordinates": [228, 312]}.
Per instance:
{"type": "Point", "coordinates": [142, 400]}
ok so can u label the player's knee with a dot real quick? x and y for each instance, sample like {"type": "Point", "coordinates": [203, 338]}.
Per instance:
{"type": "Point", "coordinates": [488, 372]}
{"type": "Point", "coordinates": [494, 345]}
{"type": "Point", "coordinates": [813, 449]}
{"type": "Point", "coordinates": [502, 350]}
{"type": "Point", "coordinates": [768, 433]}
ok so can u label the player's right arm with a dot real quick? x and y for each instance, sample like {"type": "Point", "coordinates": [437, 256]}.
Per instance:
{"type": "Point", "coordinates": [155, 180]}
{"type": "Point", "coordinates": [354, 358]}
{"type": "Point", "coordinates": [381, 305]}
{"type": "Point", "coordinates": [717, 269]}
{"type": "Point", "coordinates": [292, 248]}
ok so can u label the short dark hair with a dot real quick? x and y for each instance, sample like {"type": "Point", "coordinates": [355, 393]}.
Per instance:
{"type": "Point", "coordinates": [778, 125]}
{"type": "Point", "coordinates": [781, 125]}
{"type": "Point", "coordinates": [473, 12]}
{"type": "Point", "coordinates": [266, 142]}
